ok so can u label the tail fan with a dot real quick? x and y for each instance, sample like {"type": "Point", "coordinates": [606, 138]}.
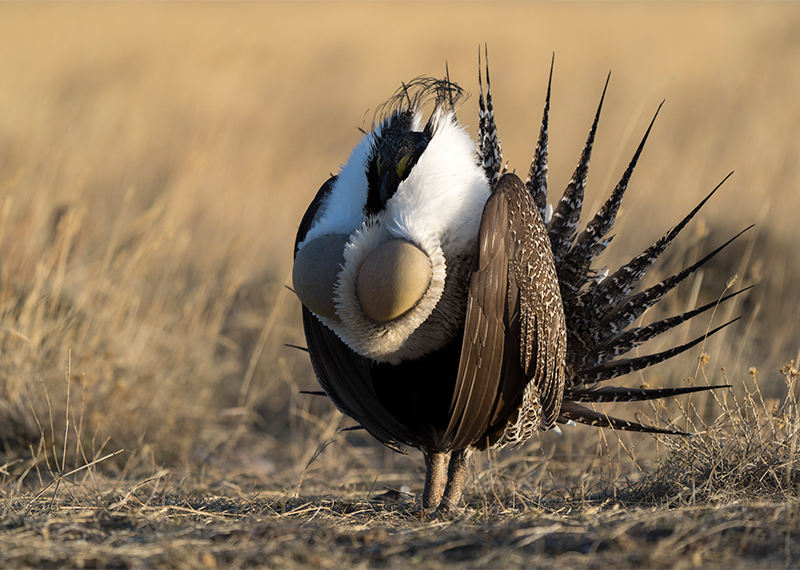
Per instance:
{"type": "Point", "coordinates": [599, 311]}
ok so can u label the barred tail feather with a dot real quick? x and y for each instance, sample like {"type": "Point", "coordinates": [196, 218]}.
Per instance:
{"type": "Point", "coordinates": [481, 110]}
{"type": "Point", "coordinates": [568, 211]}
{"type": "Point", "coordinates": [578, 413]}
{"type": "Point", "coordinates": [630, 339]}
{"type": "Point", "coordinates": [537, 176]}
{"type": "Point", "coordinates": [614, 368]}
{"type": "Point", "coordinates": [615, 394]}
{"type": "Point", "coordinates": [488, 140]}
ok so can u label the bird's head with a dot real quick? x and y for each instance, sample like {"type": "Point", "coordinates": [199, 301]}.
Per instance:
{"type": "Point", "coordinates": [396, 153]}
{"type": "Point", "coordinates": [382, 262]}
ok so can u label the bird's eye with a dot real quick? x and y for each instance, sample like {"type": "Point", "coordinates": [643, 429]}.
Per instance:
{"type": "Point", "coordinates": [401, 166]}
{"type": "Point", "coordinates": [378, 164]}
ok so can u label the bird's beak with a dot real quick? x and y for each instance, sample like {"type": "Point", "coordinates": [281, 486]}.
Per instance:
{"type": "Point", "coordinates": [389, 183]}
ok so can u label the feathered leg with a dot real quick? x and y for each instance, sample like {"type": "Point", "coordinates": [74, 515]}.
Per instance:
{"type": "Point", "coordinates": [456, 477]}
{"type": "Point", "coordinates": [435, 478]}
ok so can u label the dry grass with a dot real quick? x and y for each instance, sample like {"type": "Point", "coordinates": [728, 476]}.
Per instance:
{"type": "Point", "coordinates": [725, 498]}
{"type": "Point", "coordinates": [155, 160]}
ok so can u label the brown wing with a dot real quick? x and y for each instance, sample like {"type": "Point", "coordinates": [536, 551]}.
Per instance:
{"type": "Point", "coordinates": [346, 378]}
{"type": "Point", "coordinates": [514, 330]}
{"type": "Point", "coordinates": [344, 375]}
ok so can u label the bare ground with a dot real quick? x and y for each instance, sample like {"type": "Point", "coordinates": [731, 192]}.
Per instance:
{"type": "Point", "coordinates": [146, 527]}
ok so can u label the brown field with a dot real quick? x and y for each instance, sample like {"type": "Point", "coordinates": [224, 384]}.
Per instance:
{"type": "Point", "coordinates": [155, 160]}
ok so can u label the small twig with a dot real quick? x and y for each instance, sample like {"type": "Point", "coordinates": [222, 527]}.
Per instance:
{"type": "Point", "coordinates": [3, 468]}
{"type": "Point", "coordinates": [66, 419]}
{"type": "Point", "coordinates": [128, 463]}
{"type": "Point", "coordinates": [317, 453]}
{"type": "Point", "coordinates": [52, 431]}
{"type": "Point", "coordinates": [728, 285]}
{"type": "Point", "coordinates": [66, 425]}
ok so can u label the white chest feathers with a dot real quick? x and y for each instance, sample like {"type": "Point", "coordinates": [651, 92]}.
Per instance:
{"type": "Point", "coordinates": [393, 285]}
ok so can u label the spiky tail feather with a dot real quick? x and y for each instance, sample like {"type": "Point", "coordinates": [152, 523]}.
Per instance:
{"type": "Point", "coordinates": [598, 311]}
{"type": "Point", "coordinates": [537, 175]}
{"type": "Point", "coordinates": [488, 141]}
{"type": "Point", "coordinates": [615, 394]}
{"type": "Point", "coordinates": [581, 414]}
{"type": "Point", "coordinates": [567, 213]}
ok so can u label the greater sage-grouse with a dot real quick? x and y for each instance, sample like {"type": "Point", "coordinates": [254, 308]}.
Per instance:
{"type": "Point", "coordinates": [447, 307]}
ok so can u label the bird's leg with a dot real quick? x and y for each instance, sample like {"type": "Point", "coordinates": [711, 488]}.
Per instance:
{"type": "Point", "coordinates": [435, 478]}
{"type": "Point", "coordinates": [456, 477]}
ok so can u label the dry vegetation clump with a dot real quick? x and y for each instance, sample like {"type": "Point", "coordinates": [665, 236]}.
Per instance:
{"type": "Point", "coordinates": [749, 452]}
{"type": "Point", "coordinates": [108, 341]}
{"type": "Point", "coordinates": [724, 497]}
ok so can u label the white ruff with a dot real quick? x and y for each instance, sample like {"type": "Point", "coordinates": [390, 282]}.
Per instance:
{"type": "Point", "coordinates": [387, 342]}
{"type": "Point", "coordinates": [438, 208]}
{"type": "Point", "coordinates": [444, 195]}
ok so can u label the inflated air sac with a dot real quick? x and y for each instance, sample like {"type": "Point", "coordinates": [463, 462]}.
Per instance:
{"type": "Point", "coordinates": [392, 280]}
{"type": "Point", "coordinates": [316, 269]}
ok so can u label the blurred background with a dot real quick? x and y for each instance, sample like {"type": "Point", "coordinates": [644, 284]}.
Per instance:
{"type": "Point", "coordinates": [156, 158]}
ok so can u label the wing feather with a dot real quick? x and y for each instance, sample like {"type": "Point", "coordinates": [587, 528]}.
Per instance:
{"type": "Point", "coordinates": [482, 351]}
{"type": "Point", "coordinates": [347, 380]}
{"type": "Point", "coordinates": [514, 326]}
